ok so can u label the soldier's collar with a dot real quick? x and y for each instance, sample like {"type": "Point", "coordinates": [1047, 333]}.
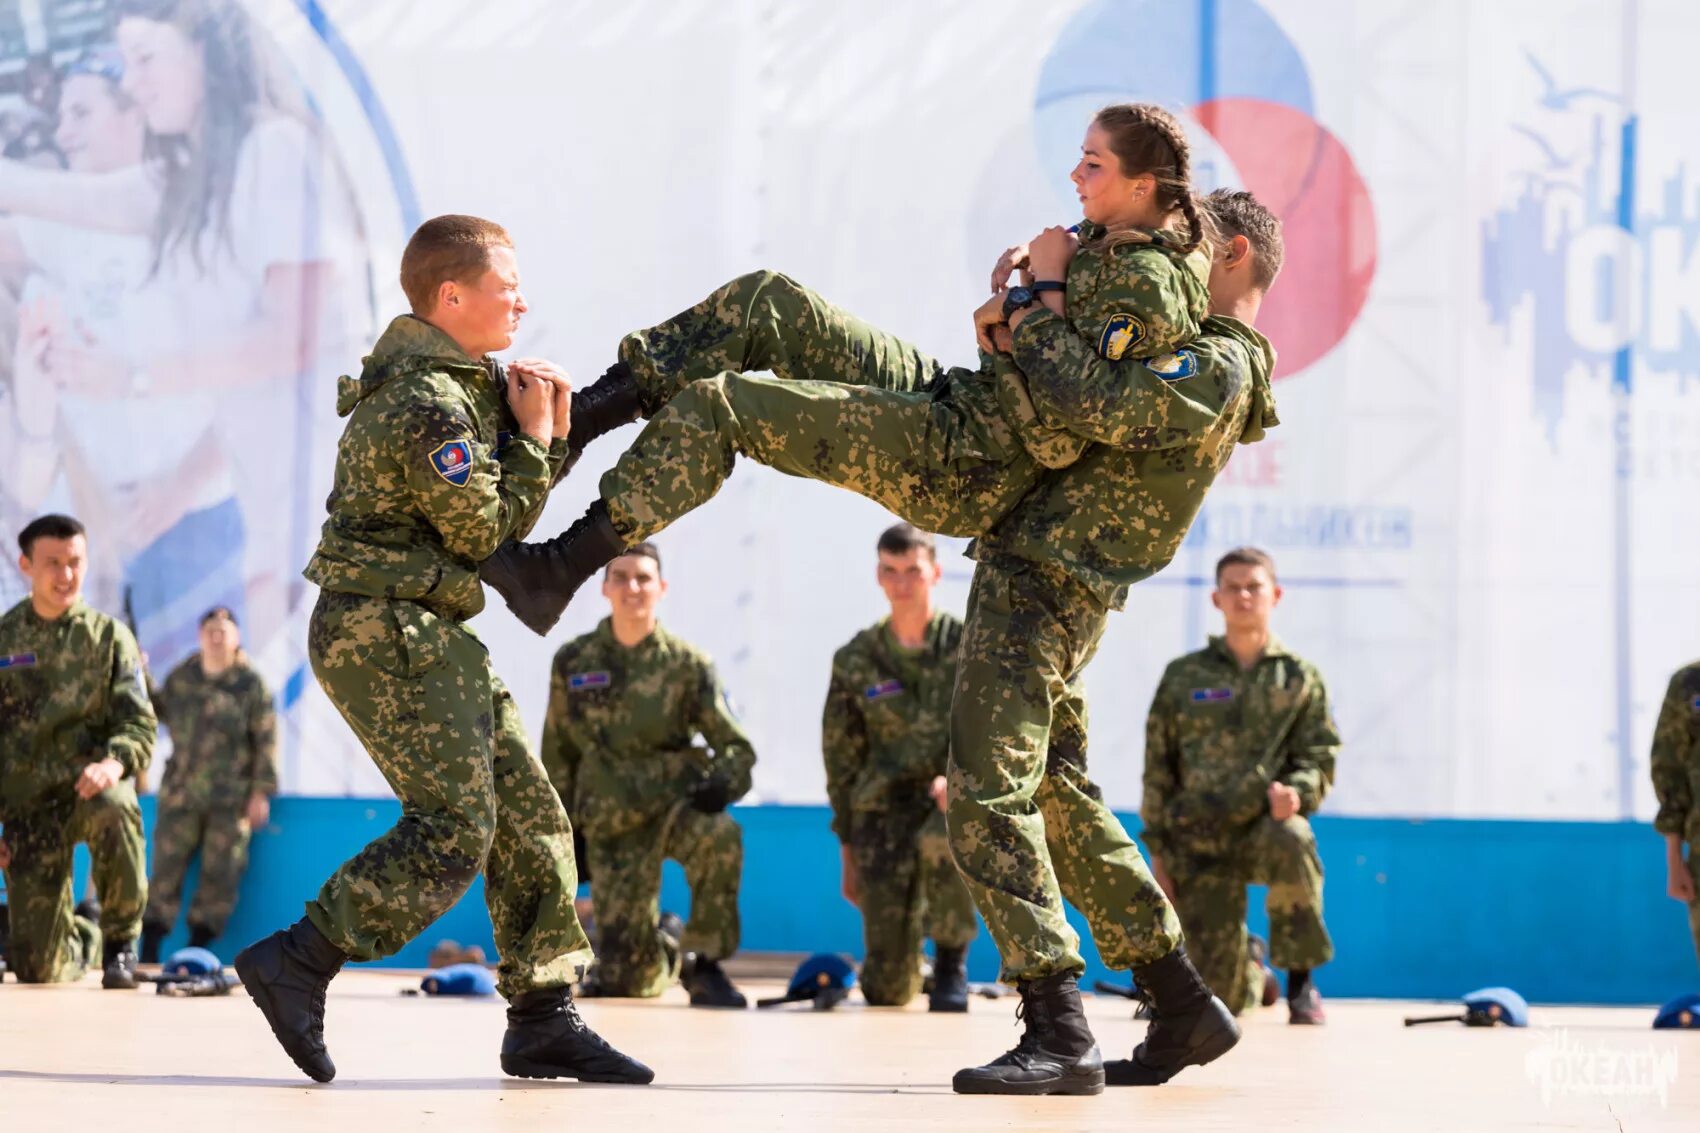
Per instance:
{"type": "Point", "coordinates": [1273, 648]}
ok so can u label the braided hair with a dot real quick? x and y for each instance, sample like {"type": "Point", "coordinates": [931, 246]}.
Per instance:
{"type": "Point", "coordinates": [1148, 139]}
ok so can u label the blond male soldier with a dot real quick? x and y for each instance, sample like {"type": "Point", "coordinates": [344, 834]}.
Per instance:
{"type": "Point", "coordinates": [76, 730]}
{"type": "Point", "coordinates": [628, 703]}
{"type": "Point", "coordinates": [443, 457]}
{"type": "Point", "coordinates": [1676, 771]}
{"type": "Point", "coordinates": [885, 733]}
{"type": "Point", "coordinates": [218, 784]}
{"type": "Point", "coordinates": [1239, 751]}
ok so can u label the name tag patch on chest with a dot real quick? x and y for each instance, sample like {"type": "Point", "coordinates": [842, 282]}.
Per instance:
{"type": "Point", "coordinates": [453, 462]}
{"type": "Point", "coordinates": [1209, 695]}
{"type": "Point", "coordinates": [883, 690]}
{"type": "Point", "coordinates": [598, 679]}
{"type": "Point", "coordinates": [1122, 332]}
{"type": "Point", "coordinates": [27, 660]}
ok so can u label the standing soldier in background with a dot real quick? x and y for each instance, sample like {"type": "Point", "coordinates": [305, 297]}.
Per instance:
{"type": "Point", "coordinates": [1239, 750]}
{"type": "Point", "coordinates": [1676, 771]}
{"type": "Point", "coordinates": [445, 456]}
{"type": "Point", "coordinates": [76, 730]}
{"type": "Point", "coordinates": [626, 703]}
{"type": "Point", "coordinates": [218, 783]}
{"type": "Point", "coordinates": [885, 734]}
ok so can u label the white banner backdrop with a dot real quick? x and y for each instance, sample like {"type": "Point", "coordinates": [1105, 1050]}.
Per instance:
{"type": "Point", "coordinates": [1489, 325]}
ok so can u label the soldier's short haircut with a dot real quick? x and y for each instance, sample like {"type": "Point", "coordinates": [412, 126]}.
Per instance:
{"type": "Point", "coordinates": [47, 527]}
{"type": "Point", "coordinates": [1238, 213]}
{"type": "Point", "coordinates": [447, 247]}
{"type": "Point", "coordinates": [645, 549]}
{"type": "Point", "coordinates": [901, 538]}
{"type": "Point", "coordinates": [1246, 556]}
{"type": "Point", "coordinates": [218, 612]}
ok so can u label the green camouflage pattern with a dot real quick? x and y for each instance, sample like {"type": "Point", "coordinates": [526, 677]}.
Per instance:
{"type": "Point", "coordinates": [420, 694]}
{"type": "Point", "coordinates": [49, 942]}
{"type": "Point", "coordinates": [1217, 736]}
{"type": "Point", "coordinates": [634, 957]}
{"type": "Point", "coordinates": [630, 732]}
{"type": "Point", "coordinates": [401, 525]}
{"type": "Point", "coordinates": [1028, 829]}
{"type": "Point", "coordinates": [1210, 897]}
{"type": "Point", "coordinates": [1119, 514]}
{"type": "Point", "coordinates": [1675, 766]}
{"type": "Point", "coordinates": [885, 735]}
{"type": "Point", "coordinates": [72, 693]}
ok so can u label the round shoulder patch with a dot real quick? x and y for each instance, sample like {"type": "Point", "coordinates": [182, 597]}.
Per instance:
{"type": "Point", "coordinates": [1122, 332]}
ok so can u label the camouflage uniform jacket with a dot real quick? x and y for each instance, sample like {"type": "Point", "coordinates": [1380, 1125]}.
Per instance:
{"type": "Point", "coordinates": [71, 693]}
{"type": "Point", "coordinates": [618, 740]}
{"type": "Point", "coordinates": [886, 725]}
{"type": "Point", "coordinates": [1218, 736]}
{"type": "Point", "coordinates": [223, 734]}
{"type": "Point", "coordinates": [1119, 514]}
{"type": "Point", "coordinates": [1676, 757]}
{"type": "Point", "coordinates": [432, 475]}
{"type": "Point", "coordinates": [1139, 300]}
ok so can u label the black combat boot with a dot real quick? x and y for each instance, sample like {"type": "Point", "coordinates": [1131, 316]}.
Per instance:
{"type": "Point", "coordinates": [200, 936]}
{"type": "Point", "coordinates": [537, 580]}
{"type": "Point", "coordinates": [603, 406]}
{"type": "Point", "coordinates": [547, 1039]}
{"type": "Point", "coordinates": [153, 935]}
{"type": "Point", "coordinates": [286, 974]}
{"type": "Point", "coordinates": [950, 981]}
{"type": "Point", "coordinates": [709, 984]}
{"type": "Point", "coordinates": [118, 965]}
{"type": "Point", "coordinates": [1056, 1054]}
{"type": "Point", "coordinates": [1189, 1026]}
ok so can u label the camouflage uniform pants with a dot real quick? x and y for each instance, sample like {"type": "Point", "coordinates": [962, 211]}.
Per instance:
{"type": "Point", "coordinates": [1027, 827]}
{"type": "Point", "coordinates": [848, 405]}
{"type": "Point", "coordinates": [419, 692]}
{"type": "Point", "coordinates": [909, 889]}
{"type": "Point", "coordinates": [218, 831]}
{"type": "Point", "coordinates": [634, 957]}
{"type": "Point", "coordinates": [1210, 895]}
{"type": "Point", "coordinates": [48, 943]}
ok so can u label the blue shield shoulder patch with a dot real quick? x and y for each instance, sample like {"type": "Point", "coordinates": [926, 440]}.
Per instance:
{"type": "Point", "coordinates": [1122, 332]}
{"type": "Point", "coordinates": [453, 462]}
{"type": "Point", "coordinates": [1210, 695]}
{"type": "Point", "coordinates": [598, 679]}
{"type": "Point", "coordinates": [31, 656]}
{"type": "Point", "coordinates": [18, 661]}
{"type": "Point", "coordinates": [883, 690]}
{"type": "Point", "coordinates": [1176, 367]}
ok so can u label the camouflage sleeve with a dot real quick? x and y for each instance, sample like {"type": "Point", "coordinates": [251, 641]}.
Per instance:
{"type": "Point", "coordinates": [718, 723]}
{"type": "Point", "coordinates": [474, 500]}
{"type": "Point", "coordinates": [1673, 751]}
{"type": "Point", "coordinates": [130, 726]}
{"type": "Point", "coordinates": [262, 741]}
{"type": "Point", "coordinates": [1308, 762]}
{"type": "Point", "coordinates": [561, 461]}
{"type": "Point", "coordinates": [560, 755]}
{"type": "Point", "coordinates": [844, 745]}
{"type": "Point", "coordinates": [1162, 754]}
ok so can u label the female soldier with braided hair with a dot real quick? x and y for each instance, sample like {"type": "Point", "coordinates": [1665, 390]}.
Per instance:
{"type": "Point", "coordinates": [950, 451]}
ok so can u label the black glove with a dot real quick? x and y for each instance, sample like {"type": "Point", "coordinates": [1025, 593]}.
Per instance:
{"type": "Point", "coordinates": [712, 795]}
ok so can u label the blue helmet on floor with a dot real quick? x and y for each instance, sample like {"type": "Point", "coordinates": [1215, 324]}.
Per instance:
{"type": "Point", "coordinates": [1680, 1014]}
{"type": "Point", "coordinates": [824, 979]}
{"type": "Point", "coordinates": [459, 979]}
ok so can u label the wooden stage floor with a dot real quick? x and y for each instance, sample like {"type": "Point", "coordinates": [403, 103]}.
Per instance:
{"type": "Point", "coordinates": [136, 1061]}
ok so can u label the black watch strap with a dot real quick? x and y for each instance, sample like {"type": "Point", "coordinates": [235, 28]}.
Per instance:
{"type": "Point", "coordinates": [1048, 285]}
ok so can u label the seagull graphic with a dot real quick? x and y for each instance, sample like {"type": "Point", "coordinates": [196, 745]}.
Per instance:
{"type": "Point", "coordinates": [1556, 99]}
{"type": "Point", "coordinates": [1553, 160]}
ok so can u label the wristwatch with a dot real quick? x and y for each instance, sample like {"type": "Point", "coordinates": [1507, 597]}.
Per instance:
{"type": "Point", "coordinates": [1017, 298]}
{"type": "Point", "coordinates": [1056, 285]}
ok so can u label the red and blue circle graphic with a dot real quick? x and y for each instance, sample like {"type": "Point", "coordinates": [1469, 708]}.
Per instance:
{"type": "Point", "coordinates": [1245, 96]}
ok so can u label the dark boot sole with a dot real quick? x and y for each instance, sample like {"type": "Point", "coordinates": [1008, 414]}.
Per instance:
{"type": "Point", "coordinates": [260, 994]}
{"type": "Point", "coordinates": [936, 1008]}
{"type": "Point", "coordinates": [1071, 1085]}
{"type": "Point", "coordinates": [516, 1067]}
{"type": "Point", "coordinates": [118, 983]}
